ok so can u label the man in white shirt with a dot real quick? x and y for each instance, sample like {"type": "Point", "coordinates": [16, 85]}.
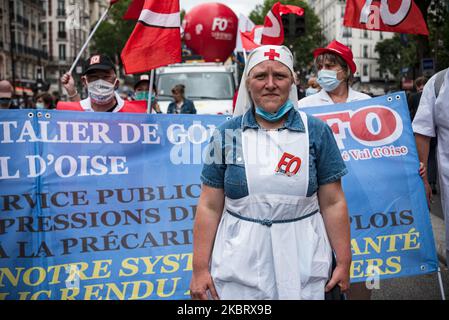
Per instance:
{"type": "Point", "coordinates": [432, 119]}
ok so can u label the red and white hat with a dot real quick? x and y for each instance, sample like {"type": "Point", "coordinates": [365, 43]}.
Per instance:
{"type": "Point", "coordinates": [258, 55]}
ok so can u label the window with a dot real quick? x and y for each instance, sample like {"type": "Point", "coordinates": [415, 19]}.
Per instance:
{"type": "Point", "coordinates": [365, 70]}
{"type": "Point", "coordinates": [347, 32]}
{"type": "Point", "coordinates": [61, 8]}
{"type": "Point", "coordinates": [365, 51]}
{"type": "Point", "coordinates": [23, 70]}
{"type": "Point", "coordinates": [61, 30]}
{"type": "Point", "coordinates": [61, 26]}
{"type": "Point", "coordinates": [199, 85]}
{"type": "Point", "coordinates": [62, 52]}
{"type": "Point", "coordinates": [365, 34]}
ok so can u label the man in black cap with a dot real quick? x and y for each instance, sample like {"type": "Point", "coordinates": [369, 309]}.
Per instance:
{"type": "Point", "coordinates": [101, 81]}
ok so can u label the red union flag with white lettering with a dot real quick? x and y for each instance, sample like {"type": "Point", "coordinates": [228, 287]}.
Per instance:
{"type": "Point", "coordinates": [156, 39]}
{"type": "Point", "coordinates": [402, 16]}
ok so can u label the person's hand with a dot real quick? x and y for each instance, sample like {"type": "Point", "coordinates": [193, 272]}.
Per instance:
{"type": "Point", "coordinates": [69, 84]}
{"type": "Point", "coordinates": [340, 277]}
{"type": "Point", "coordinates": [157, 108]}
{"type": "Point", "coordinates": [422, 170]}
{"type": "Point", "coordinates": [428, 189]}
{"type": "Point", "coordinates": [199, 285]}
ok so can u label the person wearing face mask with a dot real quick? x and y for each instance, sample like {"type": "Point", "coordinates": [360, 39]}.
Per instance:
{"type": "Point", "coordinates": [336, 68]}
{"type": "Point", "coordinates": [312, 86]}
{"type": "Point", "coordinates": [101, 81]}
{"type": "Point", "coordinates": [271, 209]}
{"type": "Point", "coordinates": [44, 100]}
{"type": "Point", "coordinates": [141, 92]}
{"type": "Point", "coordinates": [6, 91]}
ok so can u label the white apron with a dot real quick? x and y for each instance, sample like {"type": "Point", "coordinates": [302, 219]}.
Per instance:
{"type": "Point", "coordinates": [272, 244]}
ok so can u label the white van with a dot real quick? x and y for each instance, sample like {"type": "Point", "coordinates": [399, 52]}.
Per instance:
{"type": "Point", "coordinates": [210, 86]}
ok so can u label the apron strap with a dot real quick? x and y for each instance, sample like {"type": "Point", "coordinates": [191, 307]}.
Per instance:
{"type": "Point", "coordinates": [269, 222]}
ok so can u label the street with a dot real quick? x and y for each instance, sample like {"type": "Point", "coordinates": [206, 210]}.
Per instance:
{"type": "Point", "coordinates": [425, 287]}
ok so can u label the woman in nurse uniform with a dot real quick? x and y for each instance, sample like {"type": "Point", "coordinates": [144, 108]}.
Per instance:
{"type": "Point", "coordinates": [272, 209]}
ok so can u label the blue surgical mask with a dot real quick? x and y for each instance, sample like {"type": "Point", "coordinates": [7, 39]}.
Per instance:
{"type": "Point", "coordinates": [310, 91]}
{"type": "Point", "coordinates": [273, 117]}
{"type": "Point", "coordinates": [327, 79]}
{"type": "Point", "coordinates": [40, 105]}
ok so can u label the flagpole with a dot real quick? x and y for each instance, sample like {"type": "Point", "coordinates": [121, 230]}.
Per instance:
{"type": "Point", "coordinates": [150, 92]}
{"type": "Point", "coordinates": [88, 39]}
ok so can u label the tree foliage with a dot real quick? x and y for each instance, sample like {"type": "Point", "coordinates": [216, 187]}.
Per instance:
{"type": "Point", "coordinates": [394, 55]}
{"type": "Point", "coordinates": [113, 33]}
{"type": "Point", "coordinates": [409, 50]}
{"type": "Point", "coordinates": [302, 47]}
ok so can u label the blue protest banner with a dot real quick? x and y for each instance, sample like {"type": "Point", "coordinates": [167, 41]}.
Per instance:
{"type": "Point", "coordinates": [98, 206]}
{"type": "Point", "coordinates": [101, 206]}
{"type": "Point", "coordinates": [390, 223]}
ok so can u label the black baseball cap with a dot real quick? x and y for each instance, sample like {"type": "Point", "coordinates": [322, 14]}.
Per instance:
{"type": "Point", "coordinates": [98, 62]}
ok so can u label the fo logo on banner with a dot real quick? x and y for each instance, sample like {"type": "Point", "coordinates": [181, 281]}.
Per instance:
{"type": "Point", "coordinates": [288, 165]}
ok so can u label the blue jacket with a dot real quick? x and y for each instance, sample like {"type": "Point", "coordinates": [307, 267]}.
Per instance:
{"type": "Point", "coordinates": [187, 107]}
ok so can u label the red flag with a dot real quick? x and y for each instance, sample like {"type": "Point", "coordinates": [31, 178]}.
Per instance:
{"type": "Point", "coordinates": [156, 39]}
{"type": "Point", "coordinates": [273, 31]}
{"type": "Point", "coordinates": [251, 39]}
{"type": "Point", "coordinates": [134, 10]}
{"type": "Point", "coordinates": [395, 16]}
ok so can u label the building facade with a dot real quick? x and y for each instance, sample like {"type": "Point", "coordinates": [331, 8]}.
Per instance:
{"type": "Point", "coordinates": [40, 39]}
{"type": "Point", "coordinates": [22, 55]}
{"type": "Point", "coordinates": [67, 26]}
{"type": "Point", "coordinates": [362, 42]}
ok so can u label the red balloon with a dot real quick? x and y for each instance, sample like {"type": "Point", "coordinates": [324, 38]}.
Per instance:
{"type": "Point", "coordinates": [210, 30]}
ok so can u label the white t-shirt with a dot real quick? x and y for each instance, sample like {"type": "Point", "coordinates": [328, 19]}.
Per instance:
{"type": "Point", "coordinates": [323, 98]}
{"type": "Point", "coordinates": [424, 121]}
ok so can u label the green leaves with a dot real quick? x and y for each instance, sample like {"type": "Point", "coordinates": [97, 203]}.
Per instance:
{"type": "Point", "coordinates": [113, 33]}
{"type": "Point", "coordinates": [394, 55]}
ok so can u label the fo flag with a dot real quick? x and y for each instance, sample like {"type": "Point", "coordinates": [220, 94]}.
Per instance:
{"type": "Point", "coordinates": [272, 32]}
{"type": "Point", "coordinates": [156, 39]}
{"type": "Point", "coordinates": [402, 16]}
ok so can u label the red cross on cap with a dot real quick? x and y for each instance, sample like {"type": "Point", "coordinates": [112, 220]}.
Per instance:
{"type": "Point", "coordinates": [271, 54]}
